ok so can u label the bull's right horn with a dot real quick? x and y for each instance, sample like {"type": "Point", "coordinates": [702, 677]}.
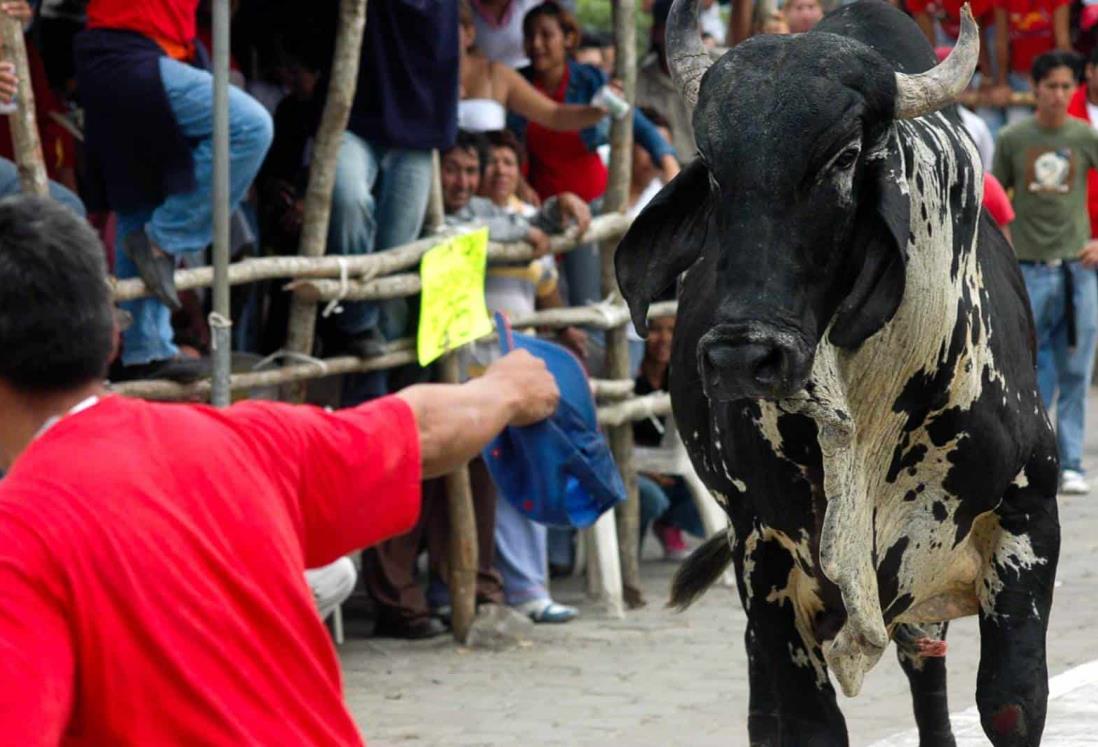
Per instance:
{"type": "Point", "coordinates": [687, 57]}
{"type": "Point", "coordinates": [940, 86]}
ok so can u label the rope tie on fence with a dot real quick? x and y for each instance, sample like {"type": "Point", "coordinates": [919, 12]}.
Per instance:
{"type": "Point", "coordinates": [334, 306]}
{"type": "Point", "coordinates": [216, 322]}
{"type": "Point", "coordinates": [290, 355]}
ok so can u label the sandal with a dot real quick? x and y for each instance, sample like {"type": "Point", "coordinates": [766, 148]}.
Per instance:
{"type": "Point", "coordinates": [547, 611]}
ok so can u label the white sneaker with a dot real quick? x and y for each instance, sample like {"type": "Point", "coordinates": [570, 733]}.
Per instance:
{"type": "Point", "coordinates": [1073, 483]}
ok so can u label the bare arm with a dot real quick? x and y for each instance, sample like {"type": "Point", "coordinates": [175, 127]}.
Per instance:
{"type": "Point", "coordinates": [456, 421]}
{"type": "Point", "coordinates": [1060, 32]}
{"type": "Point", "coordinates": [739, 22]}
{"type": "Point", "coordinates": [522, 98]}
{"type": "Point", "coordinates": [1002, 47]}
{"type": "Point", "coordinates": [926, 24]}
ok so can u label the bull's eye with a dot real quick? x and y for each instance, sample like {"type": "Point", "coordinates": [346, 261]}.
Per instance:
{"type": "Point", "coordinates": [845, 160]}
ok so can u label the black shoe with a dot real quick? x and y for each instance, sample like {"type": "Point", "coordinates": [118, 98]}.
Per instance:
{"type": "Point", "coordinates": [417, 630]}
{"type": "Point", "coordinates": [157, 270]}
{"type": "Point", "coordinates": [182, 370]}
{"type": "Point", "coordinates": [369, 344]}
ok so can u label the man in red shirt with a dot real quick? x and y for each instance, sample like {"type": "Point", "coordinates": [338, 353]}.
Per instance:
{"type": "Point", "coordinates": [1024, 30]}
{"type": "Point", "coordinates": [152, 555]}
{"type": "Point", "coordinates": [1084, 106]}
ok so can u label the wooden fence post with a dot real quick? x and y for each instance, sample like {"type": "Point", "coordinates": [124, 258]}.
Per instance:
{"type": "Point", "coordinates": [24, 129]}
{"type": "Point", "coordinates": [463, 532]}
{"type": "Point", "coordinates": [617, 345]}
{"type": "Point", "coordinates": [318, 196]}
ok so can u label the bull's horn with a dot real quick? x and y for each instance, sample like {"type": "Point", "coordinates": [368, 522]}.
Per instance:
{"type": "Point", "coordinates": [687, 57]}
{"type": "Point", "coordinates": [940, 86]}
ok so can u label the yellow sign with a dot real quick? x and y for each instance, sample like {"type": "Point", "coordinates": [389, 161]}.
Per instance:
{"type": "Point", "coordinates": [452, 311]}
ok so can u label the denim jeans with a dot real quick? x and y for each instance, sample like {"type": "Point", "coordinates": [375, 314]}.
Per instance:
{"type": "Point", "coordinates": [1063, 373]}
{"type": "Point", "coordinates": [674, 504]}
{"type": "Point", "coordinates": [379, 201]}
{"type": "Point", "coordinates": [9, 185]}
{"type": "Point", "coordinates": [183, 223]}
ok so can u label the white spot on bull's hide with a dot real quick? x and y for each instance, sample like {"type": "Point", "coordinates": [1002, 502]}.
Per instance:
{"type": "Point", "coordinates": [720, 498]}
{"type": "Point", "coordinates": [1013, 553]}
{"type": "Point", "coordinates": [739, 484]}
{"type": "Point", "coordinates": [863, 506]}
{"type": "Point", "coordinates": [1020, 480]}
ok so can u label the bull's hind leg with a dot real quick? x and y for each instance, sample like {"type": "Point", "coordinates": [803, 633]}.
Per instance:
{"type": "Point", "coordinates": [1012, 683]}
{"type": "Point", "coordinates": [927, 677]}
{"type": "Point", "coordinates": [792, 700]}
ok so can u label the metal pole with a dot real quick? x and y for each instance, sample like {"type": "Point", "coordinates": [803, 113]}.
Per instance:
{"type": "Point", "coordinates": [220, 321]}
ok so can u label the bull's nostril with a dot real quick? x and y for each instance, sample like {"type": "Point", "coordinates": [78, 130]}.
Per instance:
{"type": "Point", "coordinates": [769, 368]}
{"type": "Point", "coordinates": [722, 356]}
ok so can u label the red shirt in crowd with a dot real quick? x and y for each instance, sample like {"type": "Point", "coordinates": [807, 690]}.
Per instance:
{"type": "Point", "coordinates": [1077, 108]}
{"type": "Point", "coordinates": [559, 161]}
{"type": "Point", "coordinates": [1030, 30]}
{"type": "Point", "coordinates": [152, 563]}
{"type": "Point", "coordinates": [948, 13]}
{"type": "Point", "coordinates": [996, 201]}
{"type": "Point", "coordinates": [170, 23]}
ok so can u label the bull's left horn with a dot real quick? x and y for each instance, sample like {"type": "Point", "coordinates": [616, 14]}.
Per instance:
{"type": "Point", "coordinates": [687, 57]}
{"type": "Point", "coordinates": [940, 86]}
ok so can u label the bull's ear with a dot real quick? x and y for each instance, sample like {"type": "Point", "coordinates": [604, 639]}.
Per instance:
{"type": "Point", "coordinates": [664, 241]}
{"type": "Point", "coordinates": [879, 285]}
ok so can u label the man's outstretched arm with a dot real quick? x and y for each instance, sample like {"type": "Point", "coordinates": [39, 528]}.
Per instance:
{"type": "Point", "coordinates": [456, 421]}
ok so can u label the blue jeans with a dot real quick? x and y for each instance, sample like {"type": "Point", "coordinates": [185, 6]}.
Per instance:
{"type": "Point", "coordinates": [673, 504]}
{"type": "Point", "coordinates": [9, 185]}
{"type": "Point", "coordinates": [1061, 370]}
{"type": "Point", "coordinates": [379, 201]}
{"type": "Point", "coordinates": [183, 223]}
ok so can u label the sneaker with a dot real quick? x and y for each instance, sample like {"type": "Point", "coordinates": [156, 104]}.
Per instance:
{"type": "Point", "coordinates": [547, 611]}
{"type": "Point", "coordinates": [1073, 483]}
{"type": "Point", "coordinates": [670, 537]}
{"type": "Point", "coordinates": [154, 267]}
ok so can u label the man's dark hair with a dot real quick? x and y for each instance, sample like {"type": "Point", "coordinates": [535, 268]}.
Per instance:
{"type": "Point", "coordinates": [470, 141]}
{"type": "Point", "coordinates": [506, 139]}
{"type": "Point", "coordinates": [1093, 59]}
{"type": "Point", "coordinates": [593, 40]}
{"type": "Point", "coordinates": [56, 316]}
{"type": "Point", "coordinates": [1049, 61]}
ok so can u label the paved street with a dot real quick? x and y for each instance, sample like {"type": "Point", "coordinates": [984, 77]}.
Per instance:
{"type": "Point", "coordinates": [660, 678]}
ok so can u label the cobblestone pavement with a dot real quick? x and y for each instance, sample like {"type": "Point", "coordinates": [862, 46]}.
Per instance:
{"type": "Point", "coordinates": [661, 678]}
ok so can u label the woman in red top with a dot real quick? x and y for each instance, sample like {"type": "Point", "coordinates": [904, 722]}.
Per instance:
{"type": "Point", "coordinates": [569, 161]}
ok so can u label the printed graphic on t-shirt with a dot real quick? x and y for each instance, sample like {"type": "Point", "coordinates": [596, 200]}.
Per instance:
{"type": "Point", "coordinates": [1050, 171]}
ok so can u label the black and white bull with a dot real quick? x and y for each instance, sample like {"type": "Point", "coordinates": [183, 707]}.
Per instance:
{"type": "Point", "coordinates": [853, 373]}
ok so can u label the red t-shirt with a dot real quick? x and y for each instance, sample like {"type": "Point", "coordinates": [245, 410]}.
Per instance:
{"type": "Point", "coordinates": [168, 22]}
{"type": "Point", "coordinates": [152, 563]}
{"type": "Point", "coordinates": [560, 161]}
{"type": "Point", "coordinates": [948, 12]}
{"type": "Point", "coordinates": [1030, 24]}
{"type": "Point", "coordinates": [996, 201]}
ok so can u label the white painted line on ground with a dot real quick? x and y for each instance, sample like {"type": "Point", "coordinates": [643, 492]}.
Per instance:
{"type": "Point", "coordinates": [1072, 715]}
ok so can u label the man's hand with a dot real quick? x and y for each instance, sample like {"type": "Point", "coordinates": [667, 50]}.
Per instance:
{"type": "Point", "coordinates": [1000, 95]}
{"type": "Point", "coordinates": [9, 82]}
{"type": "Point", "coordinates": [527, 382]}
{"type": "Point", "coordinates": [20, 10]}
{"type": "Point", "coordinates": [575, 339]}
{"type": "Point", "coordinates": [574, 209]}
{"type": "Point", "coordinates": [1089, 255]}
{"type": "Point", "coordinates": [539, 240]}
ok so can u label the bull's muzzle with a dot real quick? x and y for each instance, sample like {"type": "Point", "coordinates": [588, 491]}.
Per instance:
{"type": "Point", "coordinates": [752, 364]}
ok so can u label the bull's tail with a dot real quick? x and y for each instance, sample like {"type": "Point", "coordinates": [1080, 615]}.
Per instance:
{"type": "Point", "coordinates": [700, 571]}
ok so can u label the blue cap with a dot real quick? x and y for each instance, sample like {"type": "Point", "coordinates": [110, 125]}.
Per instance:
{"type": "Point", "coordinates": [559, 471]}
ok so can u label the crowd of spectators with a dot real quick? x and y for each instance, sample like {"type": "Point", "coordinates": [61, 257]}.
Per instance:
{"type": "Point", "coordinates": [513, 95]}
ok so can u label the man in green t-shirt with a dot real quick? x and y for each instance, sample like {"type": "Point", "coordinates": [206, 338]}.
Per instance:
{"type": "Point", "coordinates": [1044, 161]}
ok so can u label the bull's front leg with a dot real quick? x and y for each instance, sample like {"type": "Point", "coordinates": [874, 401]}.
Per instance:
{"type": "Point", "coordinates": [792, 701]}
{"type": "Point", "coordinates": [921, 651]}
{"type": "Point", "coordinates": [1015, 597]}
